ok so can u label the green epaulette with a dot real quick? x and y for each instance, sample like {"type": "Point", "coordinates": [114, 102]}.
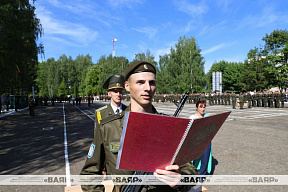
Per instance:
{"type": "Point", "coordinates": [112, 118]}
{"type": "Point", "coordinates": [101, 108]}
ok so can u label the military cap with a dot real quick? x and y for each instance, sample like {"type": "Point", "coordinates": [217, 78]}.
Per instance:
{"type": "Point", "coordinates": [115, 81]}
{"type": "Point", "coordinates": [139, 66]}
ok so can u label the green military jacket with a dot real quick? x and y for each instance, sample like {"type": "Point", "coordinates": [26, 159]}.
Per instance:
{"type": "Point", "coordinates": [233, 96]}
{"type": "Point", "coordinates": [104, 151]}
{"type": "Point", "coordinates": [104, 112]}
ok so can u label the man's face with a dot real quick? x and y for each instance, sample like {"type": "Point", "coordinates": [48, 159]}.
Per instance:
{"type": "Point", "coordinates": [142, 87]}
{"type": "Point", "coordinates": [116, 96]}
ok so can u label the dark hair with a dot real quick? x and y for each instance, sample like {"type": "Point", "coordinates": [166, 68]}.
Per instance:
{"type": "Point", "coordinates": [200, 102]}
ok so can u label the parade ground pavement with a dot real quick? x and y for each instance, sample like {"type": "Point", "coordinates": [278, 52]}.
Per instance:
{"type": "Point", "coordinates": [250, 142]}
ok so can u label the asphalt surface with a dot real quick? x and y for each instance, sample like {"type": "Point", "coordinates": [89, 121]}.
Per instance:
{"type": "Point", "coordinates": [250, 142]}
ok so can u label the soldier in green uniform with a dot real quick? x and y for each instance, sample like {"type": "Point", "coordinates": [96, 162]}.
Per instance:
{"type": "Point", "coordinates": [203, 97]}
{"type": "Point", "coordinates": [260, 99]}
{"type": "Point", "coordinates": [265, 99]}
{"type": "Point", "coordinates": [229, 98]}
{"type": "Point", "coordinates": [282, 95]}
{"type": "Point", "coordinates": [244, 98]}
{"type": "Point", "coordinates": [31, 104]}
{"type": "Point", "coordinates": [233, 97]}
{"type": "Point", "coordinates": [249, 98]}
{"type": "Point", "coordinates": [115, 85]}
{"type": "Point", "coordinates": [218, 98]}
{"type": "Point", "coordinates": [277, 99]}
{"type": "Point", "coordinates": [271, 98]}
{"type": "Point", "coordinates": [210, 99]}
{"type": "Point", "coordinates": [241, 100]}
{"type": "Point", "coordinates": [254, 99]}
{"type": "Point", "coordinates": [140, 81]}
{"type": "Point", "coordinates": [222, 98]}
{"type": "Point", "coordinates": [214, 99]}
{"type": "Point", "coordinates": [225, 98]}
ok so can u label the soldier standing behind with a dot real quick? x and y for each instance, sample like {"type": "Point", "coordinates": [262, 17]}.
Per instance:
{"type": "Point", "coordinates": [277, 99]}
{"type": "Point", "coordinates": [214, 99]}
{"type": "Point", "coordinates": [282, 97]}
{"type": "Point", "coordinates": [222, 98]}
{"type": "Point", "coordinates": [210, 99]}
{"type": "Point", "coordinates": [260, 98]}
{"type": "Point", "coordinates": [31, 104]}
{"type": "Point", "coordinates": [233, 97]}
{"type": "Point", "coordinates": [225, 98]}
{"type": "Point", "coordinates": [229, 98]}
{"type": "Point", "coordinates": [271, 98]}
{"type": "Point", "coordinates": [7, 103]}
{"type": "Point", "coordinates": [241, 100]}
{"type": "Point", "coordinates": [265, 99]}
{"type": "Point", "coordinates": [254, 100]}
{"type": "Point", "coordinates": [249, 98]}
{"type": "Point", "coordinates": [115, 85]}
{"type": "Point", "coordinates": [89, 99]}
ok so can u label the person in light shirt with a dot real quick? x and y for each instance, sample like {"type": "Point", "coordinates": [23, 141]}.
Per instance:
{"type": "Point", "coordinates": [204, 163]}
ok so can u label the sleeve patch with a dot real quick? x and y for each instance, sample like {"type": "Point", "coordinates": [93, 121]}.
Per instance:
{"type": "Point", "coordinates": [114, 147]}
{"type": "Point", "coordinates": [91, 151]}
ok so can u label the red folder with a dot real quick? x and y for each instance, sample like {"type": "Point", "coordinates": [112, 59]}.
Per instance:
{"type": "Point", "coordinates": [150, 142]}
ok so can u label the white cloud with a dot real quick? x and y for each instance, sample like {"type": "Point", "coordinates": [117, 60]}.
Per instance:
{"type": "Point", "coordinates": [213, 49]}
{"type": "Point", "coordinates": [161, 52]}
{"type": "Point", "coordinates": [73, 31]}
{"type": "Point", "coordinates": [164, 50]}
{"type": "Point", "coordinates": [124, 3]}
{"type": "Point", "coordinates": [72, 6]}
{"type": "Point", "coordinates": [149, 31]}
{"type": "Point", "coordinates": [223, 4]}
{"type": "Point", "coordinates": [208, 29]}
{"type": "Point", "coordinates": [142, 46]}
{"type": "Point", "coordinates": [267, 17]}
{"type": "Point", "coordinates": [192, 9]}
{"type": "Point", "coordinates": [189, 27]}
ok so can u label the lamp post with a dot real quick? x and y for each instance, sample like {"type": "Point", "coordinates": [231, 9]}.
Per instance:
{"type": "Point", "coordinates": [113, 42]}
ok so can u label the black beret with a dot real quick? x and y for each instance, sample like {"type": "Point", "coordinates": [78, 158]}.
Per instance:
{"type": "Point", "coordinates": [115, 81]}
{"type": "Point", "coordinates": [139, 66]}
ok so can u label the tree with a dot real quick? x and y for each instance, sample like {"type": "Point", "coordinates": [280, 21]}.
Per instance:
{"type": "Point", "coordinates": [258, 72]}
{"type": "Point", "coordinates": [232, 75]}
{"type": "Point", "coordinates": [92, 80]}
{"type": "Point", "coordinates": [277, 55]}
{"type": "Point", "coordinates": [185, 67]}
{"type": "Point", "coordinates": [19, 30]}
{"type": "Point", "coordinates": [162, 77]}
{"type": "Point", "coordinates": [145, 57]}
{"type": "Point", "coordinates": [63, 89]}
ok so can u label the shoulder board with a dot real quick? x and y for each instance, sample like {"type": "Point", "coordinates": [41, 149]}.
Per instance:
{"type": "Point", "coordinates": [112, 118]}
{"type": "Point", "coordinates": [101, 108]}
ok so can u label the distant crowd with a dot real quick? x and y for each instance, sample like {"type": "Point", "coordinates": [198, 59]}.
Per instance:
{"type": "Point", "coordinates": [242, 100]}
{"type": "Point", "coordinates": [250, 99]}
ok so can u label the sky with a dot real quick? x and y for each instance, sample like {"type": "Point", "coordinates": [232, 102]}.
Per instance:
{"type": "Point", "coordinates": [223, 29]}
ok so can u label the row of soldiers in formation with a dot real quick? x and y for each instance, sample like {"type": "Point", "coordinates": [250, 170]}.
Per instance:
{"type": "Point", "coordinates": [263, 99]}
{"type": "Point", "coordinates": [257, 99]}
